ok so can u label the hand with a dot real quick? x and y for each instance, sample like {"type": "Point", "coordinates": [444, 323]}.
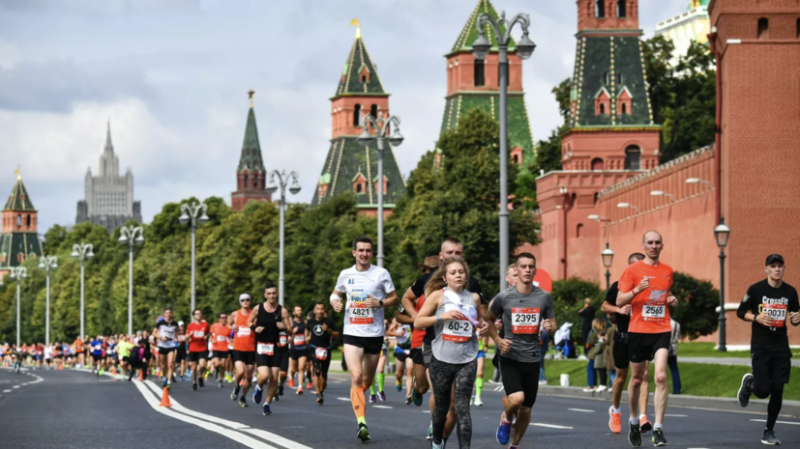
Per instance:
{"type": "Point", "coordinates": [294, 330]}
{"type": "Point", "coordinates": [498, 324]}
{"type": "Point", "coordinates": [371, 302]}
{"type": "Point", "coordinates": [324, 328]}
{"type": "Point", "coordinates": [338, 306]}
{"type": "Point", "coordinates": [624, 310]}
{"type": "Point", "coordinates": [672, 300]}
{"type": "Point", "coordinates": [280, 326]}
{"type": "Point", "coordinates": [547, 325]}
{"type": "Point", "coordinates": [452, 315]}
{"type": "Point", "coordinates": [764, 320]}
{"type": "Point", "coordinates": [643, 285]}
{"type": "Point", "coordinates": [794, 317]}
{"type": "Point", "coordinates": [163, 338]}
{"type": "Point", "coordinates": [503, 345]}
{"type": "Point", "coordinates": [259, 329]}
{"type": "Point", "coordinates": [484, 327]}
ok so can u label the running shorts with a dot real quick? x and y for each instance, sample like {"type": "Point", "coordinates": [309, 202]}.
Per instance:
{"type": "Point", "coordinates": [621, 350]}
{"type": "Point", "coordinates": [95, 357]}
{"type": "Point", "coordinates": [270, 361]}
{"type": "Point", "coordinates": [427, 354]}
{"type": "Point", "coordinates": [126, 359]}
{"type": "Point", "coordinates": [295, 354]}
{"type": "Point", "coordinates": [520, 376]}
{"type": "Point", "coordinates": [481, 354]}
{"type": "Point", "coordinates": [195, 357]}
{"type": "Point", "coordinates": [371, 345]}
{"type": "Point", "coordinates": [400, 356]}
{"type": "Point", "coordinates": [321, 366]}
{"type": "Point", "coordinates": [416, 356]}
{"type": "Point", "coordinates": [247, 357]}
{"type": "Point", "coordinates": [219, 354]}
{"type": "Point", "coordinates": [643, 347]}
{"type": "Point", "coordinates": [181, 354]}
{"type": "Point", "coordinates": [165, 351]}
{"type": "Point", "coordinates": [283, 358]}
{"type": "Point", "coordinates": [771, 366]}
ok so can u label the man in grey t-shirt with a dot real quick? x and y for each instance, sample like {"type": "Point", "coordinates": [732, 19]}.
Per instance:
{"type": "Point", "coordinates": [525, 310]}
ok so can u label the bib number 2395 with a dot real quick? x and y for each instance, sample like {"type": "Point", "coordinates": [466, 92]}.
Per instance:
{"type": "Point", "coordinates": [525, 320]}
{"type": "Point", "coordinates": [360, 314]}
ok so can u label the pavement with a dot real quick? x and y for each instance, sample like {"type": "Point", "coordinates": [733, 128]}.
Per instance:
{"type": "Point", "coordinates": [74, 409]}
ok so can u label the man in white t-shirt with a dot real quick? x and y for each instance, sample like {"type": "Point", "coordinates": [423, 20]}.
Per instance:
{"type": "Point", "coordinates": [368, 289]}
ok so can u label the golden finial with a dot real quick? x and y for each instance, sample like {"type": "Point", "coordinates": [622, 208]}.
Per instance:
{"type": "Point", "coordinates": [250, 94]}
{"type": "Point", "coordinates": [19, 175]}
{"type": "Point", "coordinates": [355, 23]}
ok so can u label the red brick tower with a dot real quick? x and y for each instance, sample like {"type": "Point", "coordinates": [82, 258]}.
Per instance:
{"type": "Point", "coordinates": [19, 239]}
{"type": "Point", "coordinates": [251, 176]}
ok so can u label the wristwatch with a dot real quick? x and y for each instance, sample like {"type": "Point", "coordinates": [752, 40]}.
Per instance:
{"type": "Point", "coordinates": [380, 301]}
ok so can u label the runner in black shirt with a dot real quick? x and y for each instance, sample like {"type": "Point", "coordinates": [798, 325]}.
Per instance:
{"type": "Point", "coordinates": [319, 331]}
{"type": "Point", "coordinates": [769, 304]}
{"type": "Point", "coordinates": [621, 359]}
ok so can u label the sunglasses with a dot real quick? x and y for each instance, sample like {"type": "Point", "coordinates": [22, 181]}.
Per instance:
{"type": "Point", "coordinates": [244, 300]}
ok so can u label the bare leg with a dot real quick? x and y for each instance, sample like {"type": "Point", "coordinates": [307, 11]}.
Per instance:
{"type": "Point", "coordinates": [644, 394]}
{"type": "Point", "coordinates": [301, 371]}
{"type": "Point", "coordinates": [619, 384]}
{"type": "Point", "coordinates": [662, 393]}
{"type": "Point", "coordinates": [638, 371]}
{"type": "Point", "coordinates": [523, 420]}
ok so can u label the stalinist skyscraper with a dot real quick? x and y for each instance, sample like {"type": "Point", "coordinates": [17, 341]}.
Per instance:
{"type": "Point", "coordinates": [109, 196]}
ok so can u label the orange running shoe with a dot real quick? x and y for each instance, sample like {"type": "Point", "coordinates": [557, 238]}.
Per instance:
{"type": "Point", "coordinates": [644, 424]}
{"type": "Point", "coordinates": [614, 420]}
{"type": "Point", "coordinates": [300, 390]}
{"type": "Point", "coordinates": [290, 383]}
{"type": "Point", "coordinates": [309, 385]}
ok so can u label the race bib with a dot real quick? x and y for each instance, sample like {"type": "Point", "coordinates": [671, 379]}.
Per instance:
{"type": "Point", "coordinates": [221, 338]}
{"type": "Point", "coordinates": [244, 331]}
{"type": "Point", "coordinates": [457, 331]}
{"type": "Point", "coordinates": [282, 340]}
{"type": "Point", "coordinates": [168, 334]}
{"type": "Point", "coordinates": [360, 314]}
{"type": "Point", "coordinates": [525, 320]}
{"type": "Point", "coordinates": [181, 338]}
{"type": "Point", "coordinates": [654, 312]}
{"type": "Point", "coordinates": [299, 340]}
{"type": "Point", "coordinates": [777, 312]}
{"type": "Point", "coordinates": [265, 348]}
{"type": "Point", "coordinates": [199, 334]}
{"type": "Point", "coordinates": [321, 353]}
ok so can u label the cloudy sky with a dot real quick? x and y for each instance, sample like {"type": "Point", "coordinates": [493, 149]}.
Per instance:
{"type": "Point", "coordinates": [172, 77]}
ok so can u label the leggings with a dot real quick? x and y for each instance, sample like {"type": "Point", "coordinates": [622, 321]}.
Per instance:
{"type": "Point", "coordinates": [602, 374]}
{"type": "Point", "coordinates": [444, 376]}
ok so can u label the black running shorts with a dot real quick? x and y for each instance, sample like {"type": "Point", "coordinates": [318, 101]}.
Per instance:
{"type": "Point", "coordinates": [416, 356]}
{"type": "Point", "coordinates": [371, 345]}
{"type": "Point", "coordinates": [621, 351]}
{"type": "Point", "coordinates": [195, 357]}
{"type": "Point", "coordinates": [643, 347]}
{"type": "Point", "coordinates": [520, 376]}
{"type": "Point", "coordinates": [246, 357]}
{"type": "Point", "coordinates": [771, 366]}
{"type": "Point", "coordinates": [295, 354]}
{"type": "Point", "coordinates": [222, 355]}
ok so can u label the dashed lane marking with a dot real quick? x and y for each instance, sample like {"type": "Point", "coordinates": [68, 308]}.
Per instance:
{"type": "Point", "coordinates": [677, 416]}
{"type": "Point", "coordinates": [794, 423]}
{"type": "Point", "coordinates": [549, 426]}
{"type": "Point", "coordinates": [582, 410]}
{"type": "Point", "coordinates": [6, 391]}
{"type": "Point", "coordinates": [344, 399]}
{"type": "Point", "coordinates": [15, 386]}
{"type": "Point", "coordinates": [382, 406]}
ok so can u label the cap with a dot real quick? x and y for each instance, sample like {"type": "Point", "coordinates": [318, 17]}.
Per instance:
{"type": "Point", "coordinates": [244, 296]}
{"type": "Point", "coordinates": [774, 258]}
{"type": "Point", "coordinates": [180, 323]}
{"type": "Point", "coordinates": [431, 262]}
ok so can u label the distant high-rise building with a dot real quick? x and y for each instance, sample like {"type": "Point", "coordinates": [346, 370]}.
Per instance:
{"type": "Point", "coordinates": [251, 175]}
{"type": "Point", "coordinates": [109, 196]}
{"type": "Point", "coordinates": [19, 239]}
{"type": "Point", "coordinates": [692, 25]}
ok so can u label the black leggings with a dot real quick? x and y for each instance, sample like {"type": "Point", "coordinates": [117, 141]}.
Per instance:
{"type": "Point", "coordinates": [602, 374]}
{"type": "Point", "coordinates": [444, 376]}
{"type": "Point", "coordinates": [775, 393]}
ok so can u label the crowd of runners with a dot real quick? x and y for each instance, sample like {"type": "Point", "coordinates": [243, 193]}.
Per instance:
{"type": "Point", "coordinates": [440, 335]}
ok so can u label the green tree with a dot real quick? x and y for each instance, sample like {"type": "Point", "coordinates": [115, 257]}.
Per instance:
{"type": "Point", "coordinates": [697, 304]}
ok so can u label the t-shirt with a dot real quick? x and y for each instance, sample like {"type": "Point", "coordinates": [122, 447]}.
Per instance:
{"type": "Point", "coordinates": [587, 316]}
{"type": "Point", "coordinates": [611, 298]}
{"type": "Point", "coordinates": [418, 288]}
{"type": "Point", "coordinates": [361, 321]}
{"type": "Point", "coordinates": [649, 310]}
{"type": "Point", "coordinates": [522, 315]}
{"type": "Point", "coordinates": [97, 347]}
{"type": "Point", "coordinates": [776, 302]}
{"type": "Point", "coordinates": [219, 337]}
{"type": "Point", "coordinates": [168, 331]}
{"type": "Point", "coordinates": [125, 348]}
{"type": "Point", "coordinates": [318, 338]}
{"type": "Point", "coordinates": [197, 336]}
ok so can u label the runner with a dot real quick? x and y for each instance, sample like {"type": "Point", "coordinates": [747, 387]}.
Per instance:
{"type": "Point", "coordinates": [368, 289]}
{"type": "Point", "coordinates": [402, 350]}
{"type": "Point", "coordinates": [453, 313]}
{"type": "Point", "coordinates": [180, 353]}
{"type": "Point", "coordinates": [319, 331]}
{"type": "Point", "coordinates": [621, 360]}
{"type": "Point", "coordinates": [267, 320]}
{"type": "Point", "coordinates": [219, 347]}
{"type": "Point", "coordinates": [244, 349]}
{"type": "Point", "coordinates": [48, 355]}
{"type": "Point", "coordinates": [767, 304]}
{"type": "Point", "coordinates": [482, 345]}
{"type": "Point", "coordinates": [380, 375]}
{"type": "Point", "coordinates": [97, 354]}
{"type": "Point", "coordinates": [298, 352]}
{"type": "Point", "coordinates": [197, 336]}
{"type": "Point", "coordinates": [523, 309]}
{"type": "Point", "coordinates": [283, 354]}
{"type": "Point", "coordinates": [165, 334]}
{"type": "Point", "coordinates": [124, 350]}
{"type": "Point", "coordinates": [646, 285]}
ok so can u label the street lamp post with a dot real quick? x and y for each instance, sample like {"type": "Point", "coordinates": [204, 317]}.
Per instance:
{"type": "Point", "coordinates": [82, 251]}
{"type": "Point", "coordinates": [524, 49]}
{"type": "Point", "coordinates": [283, 181]}
{"type": "Point", "coordinates": [721, 233]}
{"type": "Point", "coordinates": [381, 126]}
{"type": "Point", "coordinates": [608, 258]}
{"type": "Point", "coordinates": [18, 273]}
{"type": "Point", "coordinates": [47, 263]}
{"type": "Point", "coordinates": [192, 213]}
{"type": "Point", "coordinates": [130, 235]}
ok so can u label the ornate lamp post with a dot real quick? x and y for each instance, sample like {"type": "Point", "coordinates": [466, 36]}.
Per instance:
{"type": "Point", "coordinates": [47, 263]}
{"type": "Point", "coordinates": [192, 213]}
{"type": "Point", "coordinates": [608, 258]}
{"type": "Point", "coordinates": [721, 233]}
{"type": "Point", "coordinates": [381, 126]}
{"type": "Point", "coordinates": [82, 251]}
{"type": "Point", "coordinates": [524, 49]}
{"type": "Point", "coordinates": [130, 235]}
{"type": "Point", "coordinates": [18, 273]}
{"type": "Point", "coordinates": [283, 181]}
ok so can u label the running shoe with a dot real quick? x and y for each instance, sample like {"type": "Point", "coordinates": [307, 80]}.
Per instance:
{"type": "Point", "coordinates": [513, 447]}
{"type": "Point", "coordinates": [291, 383]}
{"type": "Point", "coordinates": [309, 385]}
{"type": "Point", "coordinates": [744, 391]}
{"type": "Point", "coordinates": [614, 420]}
{"type": "Point", "coordinates": [220, 383]}
{"type": "Point", "coordinates": [408, 399]}
{"type": "Point", "coordinates": [658, 437]}
{"type": "Point", "coordinates": [589, 389]}
{"type": "Point", "coordinates": [163, 382]}
{"type": "Point", "coordinates": [769, 438]}
{"type": "Point", "coordinates": [399, 386]}
{"type": "Point", "coordinates": [243, 402]}
{"type": "Point", "coordinates": [644, 424]}
{"type": "Point", "coordinates": [503, 430]}
{"type": "Point", "coordinates": [265, 409]}
{"type": "Point", "coordinates": [299, 390]}
{"type": "Point", "coordinates": [363, 432]}
{"type": "Point", "coordinates": [194, 387]}
{"type": "Point", "coordinates": [437, 446]}
{"type": "Point", "coordinates": [478, 401]}
{"type": "Point", "coordinates": [382, 396]}
{"type": "Point", "coordinates": [372, 399]}
{"type": "Point", "coordinates": [235, 394]}
{"type": "Point", "coordinates": [430, 431]}
{"type": "Point", "coordinates": [416, 397]}
{"type": "Point", "coordinates": [280, 390]}
{"type": "Point", "coordinates": [257, 395]}
{"type": "Point", "coordinates": [635, 435]}
{"type": "Point", "coordinates": [601, 388]}
{"type": "Point", "coordinates": [319, 399]}
{"type": "Point", "coordinates": [200, 380]}
{"type": "Point", "coordinates": [169, 386]}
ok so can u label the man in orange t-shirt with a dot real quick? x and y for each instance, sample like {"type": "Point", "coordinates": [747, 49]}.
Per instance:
{"type": "Point", "coordinates": [220, 334]}
{"type": "Point", "coordinates": [646, 286]}
{"type": "Point", "coordinates": [197, 336]}
{"type": "Point", "coordinates": [79, 350]}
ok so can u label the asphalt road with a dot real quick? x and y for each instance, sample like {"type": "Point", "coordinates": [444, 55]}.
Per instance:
{"type": "Point", "coordinates": [69, 409]}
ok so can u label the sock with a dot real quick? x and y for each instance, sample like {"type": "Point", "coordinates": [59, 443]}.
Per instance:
{"type": "Point", "coordinates": [614, 409]}
{"type": "Point", "coordinates": [657, 426]}
{"type": "Point", "coordinates": [635, 421]}
{"type": "Point", "coordinates": [372, 389]}
{"type": "Point", "coordinates": [478, 387]}
{"type": "Point", "coordinates": [359, 404]}
{"type": "Point", "coordinates": [381, 378]}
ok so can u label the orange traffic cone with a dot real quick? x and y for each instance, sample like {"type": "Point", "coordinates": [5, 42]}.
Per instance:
{"type": "Point", "coordinates": [114, 370]}
{"type": "Point", "coordinates": [165, 399]}
{"type": "Point", "coordinates": [141, 375]}
{"type": "Point", "coordinates": [61, 367]}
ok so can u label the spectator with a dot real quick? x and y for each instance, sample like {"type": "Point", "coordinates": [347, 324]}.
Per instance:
{"type": "Point", "coordinates": [672, 358]}
{"type": "Point", "coordinates": [587, 316]}
{"type": "Point", "coordinates": [596, 355]}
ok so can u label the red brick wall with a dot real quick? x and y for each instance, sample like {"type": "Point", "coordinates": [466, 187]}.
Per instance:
{"type": "Point", "coordinates": [461, 73]}
{"type": "Point", "coordinates": [588, 21]}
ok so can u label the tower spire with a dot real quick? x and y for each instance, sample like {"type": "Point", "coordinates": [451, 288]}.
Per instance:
{"type": "Point", "coordinates": [109, 147]}
{"type": "Point", "coordinates": [250, 94]}
{"type": "Point", "coordinates": [355, 23]}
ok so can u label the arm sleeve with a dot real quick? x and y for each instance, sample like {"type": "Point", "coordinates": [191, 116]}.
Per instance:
{"type": "Point", "coordinates": [625, 284]}
{"type": "Point", "coordinates": [746, 305]}
{"type": "Point", "coordinates": [496, 306]}
{"type": "Point", "coordinates": [549, 312]}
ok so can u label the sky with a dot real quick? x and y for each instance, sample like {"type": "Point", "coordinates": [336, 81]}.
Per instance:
{"type": "Point", "coordinates": [172, 78]}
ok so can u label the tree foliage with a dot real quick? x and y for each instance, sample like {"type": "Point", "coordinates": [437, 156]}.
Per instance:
{"type": "Point", "coordinates": [697, 304]}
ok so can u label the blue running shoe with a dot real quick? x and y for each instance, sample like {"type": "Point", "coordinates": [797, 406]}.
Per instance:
{"type": "Point", "coordinates": [503, 430]}
{"type": "Point", "coordinates": [265, 409]}
{"type": "Point", "coordinates": [257, 395]}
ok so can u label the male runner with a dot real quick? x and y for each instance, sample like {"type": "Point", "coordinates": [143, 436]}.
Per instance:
{"type": "Point", "coordinates": [97, 354]}
{"type": "Point", "coordinates": [523, 308]}
{"type": "Point", "coordinates": [319, 331]}
{"type": "Point", "coordinates": [283, 353]}
{"type": "Point", "coordinates": [298, 352]}
{"type": "Point", "coordinates": [645, 285]}
{"type": "Point", "coordinates": [767, 304]}
{"type": "Point", "coordinates": [197, 336]}
{"type": "Point", "coordinates": [368, 289]}
{"type": "Point", "coordinates": [124, 350]}
{"type": "Point", "coordinates": [621, 360]}
{"type": "Point", "coordinates": [165, 333]}
{"type": "Point", "coordinates": [78, 343]}
{"type": "Point", "coordinates": [219, 346]}
{"type": "Point", "coordinates": [267, 320]}
{"type": "Point", "coordinates": [244, 349]}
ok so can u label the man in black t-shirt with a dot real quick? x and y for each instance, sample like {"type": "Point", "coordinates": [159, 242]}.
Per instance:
{"type": "Point", "coordinates": [621, 358]}
{"type": "Point", "coordinates": [319, 332]}
{"type": "Point", "coordinates": [769, 304]}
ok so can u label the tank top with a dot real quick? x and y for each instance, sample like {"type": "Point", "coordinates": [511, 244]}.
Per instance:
{"type": "Point", "coordinates": [419, 334]}
{"type": "Point", "coordinates": [456, 341]}
{"type": "Point", "coordinates": [244, 341]}
{"type": "Point", "coordinates": [299, 340]}
{"type": "Point", "coordinates": [269, 321]}
{"type": "Point", "coordinates": [403, 340]}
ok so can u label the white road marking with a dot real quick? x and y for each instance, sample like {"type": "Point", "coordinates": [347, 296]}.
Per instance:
{"type": "Point", "coordinates": [235, 436]}
{"type": "Point", "coordinates": [582, 410]}
{"type": "Point", "coordinates": [500, 388]}
{"type": "Point", "coordinates": [382, 406]}
{"type": "Point", "coordinates": [677, 416]}
{"type": "Point", "coordinates": [277, 439]}
{"type": "Point", "coordinates": [15, 386]}
{"type": "Point", "coordinates": [426, 411]}
{"type": "Point", "coordinates": [549, 426]}
{"type": "Point", "coordinates": [794, 423]}
{"type": "Point", "coordinates": [344, 399]}
{"type": "Point", "coordinates": [6, 391]}
{"type": "Point", "coordinates": [178, 407]}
